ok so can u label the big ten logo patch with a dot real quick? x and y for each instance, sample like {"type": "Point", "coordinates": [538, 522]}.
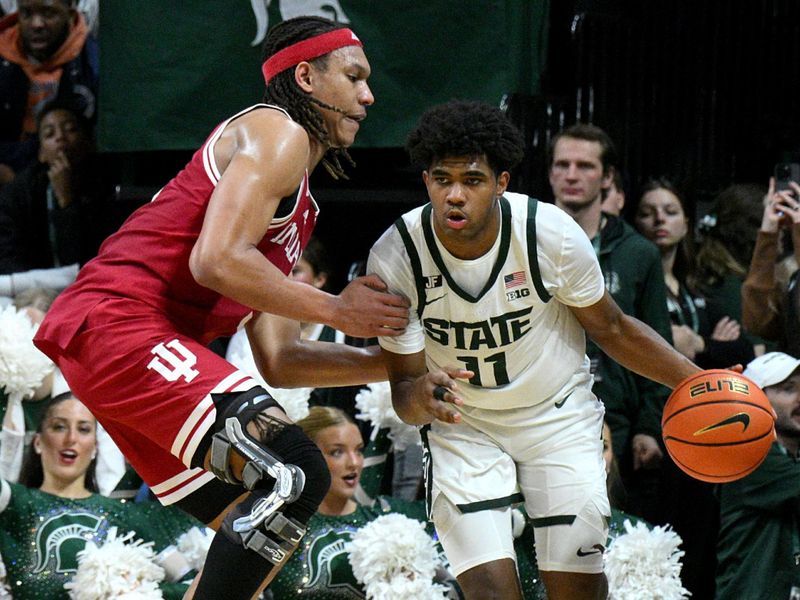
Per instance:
{"type": "Point", "coordinates": [517, 294]}
{"type": "Point", "coordinates": [173, 360]}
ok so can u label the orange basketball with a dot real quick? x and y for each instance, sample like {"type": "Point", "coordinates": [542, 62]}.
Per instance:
{"type": "Point", "coordinates": [718, 425]}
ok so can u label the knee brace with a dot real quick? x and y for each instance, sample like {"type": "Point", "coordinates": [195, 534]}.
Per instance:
{"type": "Point", "coordinates": [284, 470]}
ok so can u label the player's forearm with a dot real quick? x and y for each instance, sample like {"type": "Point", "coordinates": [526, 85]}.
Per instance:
{"type": "Point", "coordinates": [253, 281]}
{"type": "Point", "coordinates": [637, 347]}
{"type": "Point", "coordinates": [323, 364]}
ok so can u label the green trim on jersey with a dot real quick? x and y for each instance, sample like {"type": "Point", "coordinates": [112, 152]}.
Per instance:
{"type": "Point", "coordinates": [533, 257]}
{"type": "Point", "coordinates": [505, 243]}
{"type": "Point", "coordinates": [472, 507]}
{"type": "Point", "coordinates": [416, 265]}
{"type": "Point", "coordinates": [554, 520]}
{"type": "Point", "coordinates": [427, 466]}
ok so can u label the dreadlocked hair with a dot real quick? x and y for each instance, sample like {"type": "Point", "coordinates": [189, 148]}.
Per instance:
{"type": "Point", "coordinates": [466, 128]}
{"type": "Point", "coordinates": [283, 91]}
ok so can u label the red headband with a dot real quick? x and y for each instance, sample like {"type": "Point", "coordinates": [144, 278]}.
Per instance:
{"type": "Point", "coordinates": [307, 50]}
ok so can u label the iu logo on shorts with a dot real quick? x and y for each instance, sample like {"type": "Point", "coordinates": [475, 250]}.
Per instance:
{"type": "Point", "coordinates": [173, 360]}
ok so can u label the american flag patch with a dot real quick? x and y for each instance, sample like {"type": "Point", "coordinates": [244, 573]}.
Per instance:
{"type": "Point", "coordinates": [515, 279]}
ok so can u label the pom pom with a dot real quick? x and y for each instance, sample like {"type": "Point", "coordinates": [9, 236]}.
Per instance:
{"type": "Point", "coordinates": [395, 559]}
{"type": "Point", "coordinates": [5, 591]}
{"type": "Point", "coordinates": [643, 563]}
{"type": "Point", "coordinates": [194, 545]}
{"type": "Point", "coordinates": [375, 404]}
{"type": "Point", "coordinates": [22, 367]}
{"type": "Point", "coordinates": [116, 569]}
{"type": "Point", "coordinates": [293, 400]}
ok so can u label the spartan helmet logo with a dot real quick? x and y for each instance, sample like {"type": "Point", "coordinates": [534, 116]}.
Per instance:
{"type": "Point", "coordinates": [328, 566]}
{"type": "Point", "coordinates": [60, 538]}
{"type": "Point", "coordinates": [289, 9]}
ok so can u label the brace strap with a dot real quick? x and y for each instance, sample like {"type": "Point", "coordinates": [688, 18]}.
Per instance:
{"type": "Point", "coordinates": [288, 531]}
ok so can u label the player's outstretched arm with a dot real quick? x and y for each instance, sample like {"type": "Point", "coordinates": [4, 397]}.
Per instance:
{"type": "Point", "coordinates": [632, 343]}
{"type": "Point", "coordinates": [415, 397]}
{"type": "Point", "coordinates": [285, 360]}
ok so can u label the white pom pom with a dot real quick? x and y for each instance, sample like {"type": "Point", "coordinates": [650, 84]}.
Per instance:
{"type": "Point", "coordinates": [645, 564]}
{"type": "Point", "coordinates": [293, 400]}
{"type": "Point", "coordinates": [22, 367]}
{"type": "Point", "coordinates": [5, 591]}
{"type": "Point", "coordinates": [194, 545]}
{"type": "Point", "coordinates": [116, 569]}
{"type": "Point", "coordinates": [395, 559]}
{"type": "Point", "coordinates": [375, 404]}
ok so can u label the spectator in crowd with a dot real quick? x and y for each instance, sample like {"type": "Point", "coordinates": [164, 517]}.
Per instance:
{"type": "Point", "coordinates": [759, 514]}
{"type": "Point", "coordinates": [48, 517]}
{"type": "Point", "coordinates": [771, 294]}
{"type": "Point", "coordinates": [89, 8]}
{"type": "Point", "coordinates": [662, 217]}
{"type": "Point", "coordinates": [52, 214]}
{"type": "Point", "coordinates": [47, 53]}
{"type": "Point", "coordinates": [581, 169]}
{"type": "Point", "coordinates": [320, 569]}
{"type": "Point", "coordinates": [727, 239]}
{"type": "Point", "coordinates": [688, 505]}
{"type": "Point", "coordinates": [613, 201]}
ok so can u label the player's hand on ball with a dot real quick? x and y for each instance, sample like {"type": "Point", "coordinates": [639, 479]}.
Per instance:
{"type": "Point", "coordinates": [439, 393]}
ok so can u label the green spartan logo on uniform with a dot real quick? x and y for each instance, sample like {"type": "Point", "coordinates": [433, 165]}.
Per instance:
{"type": "Point", "coordinates": [60, 538]}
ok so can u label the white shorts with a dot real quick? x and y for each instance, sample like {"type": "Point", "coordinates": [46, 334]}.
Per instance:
{"type": "Point", "coordinates": [549, 456]}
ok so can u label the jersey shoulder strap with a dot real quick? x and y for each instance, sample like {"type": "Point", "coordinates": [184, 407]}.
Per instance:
{"type": "Point", "coordinates": [416, 265]}
{"type": "Point", "coordinates": [533, 257]}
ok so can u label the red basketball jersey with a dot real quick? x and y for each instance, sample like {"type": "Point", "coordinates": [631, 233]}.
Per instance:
{"type": "Point", "coordinates": [148, 258]}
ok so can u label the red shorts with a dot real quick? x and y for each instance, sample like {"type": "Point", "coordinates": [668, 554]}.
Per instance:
{"type": "Point", "coordinates": [151, 389]}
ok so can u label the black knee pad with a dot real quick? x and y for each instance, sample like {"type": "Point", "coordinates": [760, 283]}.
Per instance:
{"type": "Point", "coordinates": [296, 448]}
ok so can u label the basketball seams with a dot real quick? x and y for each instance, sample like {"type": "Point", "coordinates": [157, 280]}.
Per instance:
{"type": "Point", "coordinates": [732, 443]}
{"type": "Point", "coordinates": [710, 402]}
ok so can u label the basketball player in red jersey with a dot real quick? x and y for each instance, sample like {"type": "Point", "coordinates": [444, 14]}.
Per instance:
{"type": "Point", "coordinates": [212, 248]}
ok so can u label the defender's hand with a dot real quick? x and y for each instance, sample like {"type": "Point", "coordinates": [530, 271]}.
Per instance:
{"type": "Point", "coordinates": [365, 309]}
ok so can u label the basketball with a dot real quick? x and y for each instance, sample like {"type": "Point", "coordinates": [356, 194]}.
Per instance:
{"type": "Point", "coordinates": [718, 426]}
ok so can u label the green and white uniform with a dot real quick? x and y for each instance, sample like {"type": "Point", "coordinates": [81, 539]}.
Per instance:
{"type": "Point", "coordinates": [532, 427]}
{"type": "Point", "coordinates": [320, 568]}
{"type": "Point", "coordinates": [41, 535]}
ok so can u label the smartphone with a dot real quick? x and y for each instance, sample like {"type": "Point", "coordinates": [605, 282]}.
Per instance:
{"type": "Point", "coordinates": [784, 173]}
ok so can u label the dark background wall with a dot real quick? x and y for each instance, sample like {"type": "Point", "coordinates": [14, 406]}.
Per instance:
{"type": "Point", "coordinates": [705, 93]}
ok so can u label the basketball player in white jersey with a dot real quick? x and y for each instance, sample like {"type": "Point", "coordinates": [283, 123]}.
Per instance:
{"type": "Point", "coordinates": [492, 364]}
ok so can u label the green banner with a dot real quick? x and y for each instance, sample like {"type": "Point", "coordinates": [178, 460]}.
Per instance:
{"type": "Point", "coordinates": [170, 71]}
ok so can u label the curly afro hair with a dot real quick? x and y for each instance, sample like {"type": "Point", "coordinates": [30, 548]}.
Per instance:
{"type": "Point", "coordinates": [466, 128]}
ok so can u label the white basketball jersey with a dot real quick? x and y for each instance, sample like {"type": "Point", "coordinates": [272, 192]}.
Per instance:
{"type": "Point", "coordinates": [516, 333]}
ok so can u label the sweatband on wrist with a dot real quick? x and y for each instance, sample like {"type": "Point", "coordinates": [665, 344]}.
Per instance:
{"type": "Point", "coordinates": [308, 50]}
